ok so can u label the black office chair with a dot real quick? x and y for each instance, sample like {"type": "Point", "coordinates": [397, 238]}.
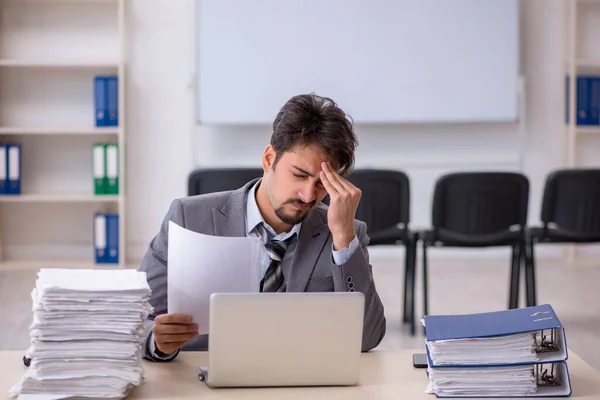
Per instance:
{"type": "Point", "coordinates": [385, 207]}
{"type": "Point", "coordinates": [479, 209]}
{"type": "Point", "coordinates": [570, 214]}
{"type": "Point", "coordinates": [202, 181]}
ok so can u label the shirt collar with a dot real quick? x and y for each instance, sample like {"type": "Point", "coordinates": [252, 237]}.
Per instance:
{"type": "Point", "coordinates": [254, 217]}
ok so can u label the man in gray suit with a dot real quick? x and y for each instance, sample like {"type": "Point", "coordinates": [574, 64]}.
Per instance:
{"type": "Point", "coordinates": [310, 247]}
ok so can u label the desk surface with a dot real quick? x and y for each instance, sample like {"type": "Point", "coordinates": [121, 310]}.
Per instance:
{"type": "Point", "coordinates": [383, 375]}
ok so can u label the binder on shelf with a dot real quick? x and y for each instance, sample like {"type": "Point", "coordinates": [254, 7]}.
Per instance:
{"type": "Point", "coordinates": [112, 238]}
{"type": "Point", "coordinates": [3, 169]}
{"type": "Point", "coordinates": [546, 333]}
{"type": "Point", "coordinates": [100, 238]}
{"type": "Point", "coordinates": [112, 96]}
{"type": "Point", "coordinates": [100, 101]}
{"type": "Point", "coordinates": [112, 169]}
{"type": "Point", "coordinates": [582, 100]}
{"type": "Point", "coordinates": [106, 238]}
{"type": "Point", "coordinates": [594, 84]}
{"type": "Point", "coordinates": [99, 168]}
{"type": "Point", "coordinates": [14, 169]}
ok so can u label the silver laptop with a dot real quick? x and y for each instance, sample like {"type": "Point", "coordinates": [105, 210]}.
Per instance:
{"type": "Point", "coordinates": [284, 339]}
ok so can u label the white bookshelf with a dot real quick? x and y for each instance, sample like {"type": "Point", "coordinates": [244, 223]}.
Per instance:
{"type": "Point", "coordinates": [60, 198]}
{"type": "Point", "coordinates": [50, 52]}
{"type": "Point", "coordinates": [590, 130]}
{"type": "Point", "coordinates": [35, 265]}
{"type": "Point", "coordinates": [593, 65]}
{"type": "Point", "coordinates": [581, 54]}
{"type": "Point", "coordinates": [43, 130]}
{"type": "Point", "coordinates": [65, 64]}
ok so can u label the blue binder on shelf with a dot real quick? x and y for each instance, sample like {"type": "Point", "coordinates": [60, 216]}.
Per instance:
{"type": "Point", "coordinates": [100, 101]}
{"type": "Point", "coordinates": [583, 100]}
{"type": "Point", "coordinates": [594, 84]}
{"type": "Point", "coordinates": [106, 238]}
{"type": "Point", "coordinates": [100, 238]}
{"type": "Point", "coordinates": [112, 238]}
{"type": "Point", "coordinates": [550, 338]}
{"type": "Point", "coordinates": [3, 169]}
{"type": "Point", "coordinates": [112, 100]}
{"type": "Point", "coordinates": [14, 169]}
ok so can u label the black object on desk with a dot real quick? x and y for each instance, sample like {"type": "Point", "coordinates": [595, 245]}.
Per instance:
{"type": "Point", "coordinates": [420, 360]}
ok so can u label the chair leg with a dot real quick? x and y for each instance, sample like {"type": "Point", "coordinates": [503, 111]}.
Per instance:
{"type": "Point", "coordinates": [407, 272]}
{"type": "Point", "coordinates": [530, 285]}
{"type": "Point", "coordinates": [413, 273]}
{"type": "Point", "coordinates": [425, 294]}
{"type": "Point", "coordinates": [515, 272]}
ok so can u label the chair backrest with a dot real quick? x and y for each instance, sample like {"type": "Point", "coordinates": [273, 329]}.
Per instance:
{"type": "Point", "coordinates": [202, 181]}
{"type": "Point", "coordinates": [572, 200]}
{"type": "Point", "coordinates": [480, 202]}
{"type": "Point", "coordinates": [385, 200]}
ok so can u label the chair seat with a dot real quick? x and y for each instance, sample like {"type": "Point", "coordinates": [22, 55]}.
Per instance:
{"type": "Point", "coordinates": [554, 235]}
{"type": "Point", "coordinates": [444, 237]}
{"type": "Point", "coordinates": [391, 235]}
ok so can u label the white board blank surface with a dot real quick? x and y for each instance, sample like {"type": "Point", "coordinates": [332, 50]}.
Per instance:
{"type": "Point", "coordinates": [401, 61]}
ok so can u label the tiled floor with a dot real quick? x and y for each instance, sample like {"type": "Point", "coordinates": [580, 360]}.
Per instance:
{"type": "Point", "coordinates": [455, 287]}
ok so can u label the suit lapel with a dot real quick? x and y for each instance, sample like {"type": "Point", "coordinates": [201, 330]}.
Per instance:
{"type": "Point", "coordinates": [231, 219]}
{"type": "Point", "coordinates": [312, 239]}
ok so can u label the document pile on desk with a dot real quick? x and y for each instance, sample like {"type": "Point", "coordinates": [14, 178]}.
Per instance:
{"type": "Point", "coordinates": [87, 330]}
{"type": "Point", "coordinates": [512, 353]}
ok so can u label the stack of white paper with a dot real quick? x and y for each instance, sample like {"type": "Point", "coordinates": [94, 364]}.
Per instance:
{"type": "Point", "coordinates": [509, 349]}
{"type": "Point", "coordinates": [511, 381]}
{"type": "Point", "coordinates": [87, 330]}
{"type": "Point", "coordinates": [506, 381]}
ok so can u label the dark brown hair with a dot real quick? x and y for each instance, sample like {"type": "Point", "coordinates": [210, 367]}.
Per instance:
{"type": "Point", "coordinates": [308, 119]}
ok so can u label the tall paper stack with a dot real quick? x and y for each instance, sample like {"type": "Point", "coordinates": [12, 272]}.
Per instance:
{"type": "Point", "coordinates": [88, 326]}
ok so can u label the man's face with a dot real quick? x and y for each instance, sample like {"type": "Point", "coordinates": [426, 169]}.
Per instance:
{"type": "Point", "coordinates": [294, 186]}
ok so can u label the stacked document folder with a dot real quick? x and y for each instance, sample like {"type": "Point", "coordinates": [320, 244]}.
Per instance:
{"type": "Point", "coordinates": [513, 353]}
{"type": "Point", "coordinates": [87, 330]}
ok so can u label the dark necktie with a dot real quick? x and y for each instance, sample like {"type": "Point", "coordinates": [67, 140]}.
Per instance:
{"type": "Point", "coordinates": [273, 280]}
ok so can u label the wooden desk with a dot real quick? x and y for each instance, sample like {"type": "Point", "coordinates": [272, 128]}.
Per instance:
{"type": "Point", "coordinates": [383, 375]}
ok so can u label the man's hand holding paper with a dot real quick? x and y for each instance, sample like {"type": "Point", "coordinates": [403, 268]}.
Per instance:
{"type": "Point", "coordinates": [173, 331]}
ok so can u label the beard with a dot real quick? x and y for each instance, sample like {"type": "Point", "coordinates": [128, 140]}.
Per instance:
{"type": "Point", "coordinates": [294, 217]}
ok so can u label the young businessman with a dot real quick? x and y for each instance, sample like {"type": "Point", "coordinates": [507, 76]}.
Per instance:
{"type": "Point", "coordinates": [310, 247]}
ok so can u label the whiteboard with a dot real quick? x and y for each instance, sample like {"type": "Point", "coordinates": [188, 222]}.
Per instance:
{"type": "Point", "coordinates": [382, 61]}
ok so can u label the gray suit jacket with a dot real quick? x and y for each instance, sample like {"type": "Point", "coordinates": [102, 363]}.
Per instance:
{"type": "Point", "coordinates": [309, 269]}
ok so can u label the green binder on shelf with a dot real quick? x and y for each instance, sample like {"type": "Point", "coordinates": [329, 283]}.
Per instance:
{"type": "Point", "coordinates": [99, 168]}
{"type": "Point", "coordinates": [112, 169]}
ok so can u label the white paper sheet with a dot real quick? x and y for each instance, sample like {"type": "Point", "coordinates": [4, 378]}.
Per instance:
{"type": "Point", "coordinates": [200, 265]}
{"type": "Point", "coordinates": [484, 351]}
